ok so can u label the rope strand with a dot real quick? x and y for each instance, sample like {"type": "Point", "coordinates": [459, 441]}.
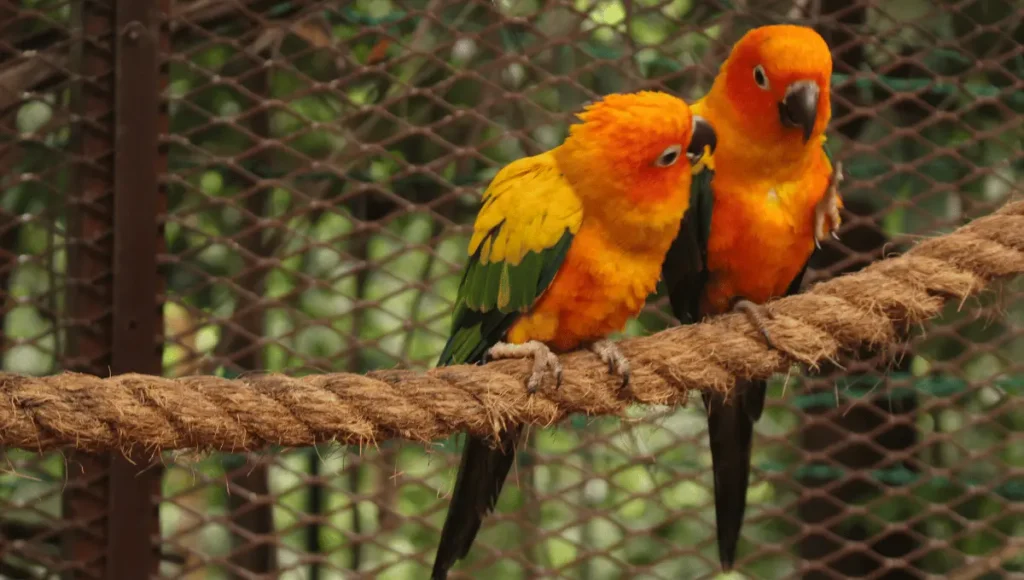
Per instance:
{"type": "Point", "coordinates": [867, 309]}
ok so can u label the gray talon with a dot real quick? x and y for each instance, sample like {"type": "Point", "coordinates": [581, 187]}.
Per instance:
{"type": "Point", "coordinates": [827, 210]}
{"type": "Point", "coordinates": [756, 314]}
{"type": "Point", "coordinates": [544, 361]}
{"type": "Point", "coordinates": [616, 361]}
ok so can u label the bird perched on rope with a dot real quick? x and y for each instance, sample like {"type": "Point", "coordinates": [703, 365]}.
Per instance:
{"type": "Point", "coordinates": [759, 207]}
{"type": "Point", "coordinates": [566, 248]}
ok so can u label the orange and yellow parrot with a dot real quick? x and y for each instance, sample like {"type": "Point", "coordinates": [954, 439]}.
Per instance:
{"type": "Point", "coordinates": [759, 207]}
{"type": "Point", "coordinates": [566, 248]}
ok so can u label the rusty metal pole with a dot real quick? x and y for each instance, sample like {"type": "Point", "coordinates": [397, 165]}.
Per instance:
{"type": "Point", "coordinates": [133, 524]}
{"type": "Point", "coordinates": [113, 286]}
{"type": "Point", "coordinates": [90, 277]}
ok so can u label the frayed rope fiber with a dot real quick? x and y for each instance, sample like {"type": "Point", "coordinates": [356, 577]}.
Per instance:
{"type": "Point", "coordinates": [867, 309]}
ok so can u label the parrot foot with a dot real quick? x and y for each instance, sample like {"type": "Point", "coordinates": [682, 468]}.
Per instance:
{"type": "Point", "coordinates": [610, 354]}
{"type": "Point", "coordinates": [826, 213]}
{"type": "Point", "coordinates": [757, 315]}
{"type": "Point", "coordinates": [544, 361]}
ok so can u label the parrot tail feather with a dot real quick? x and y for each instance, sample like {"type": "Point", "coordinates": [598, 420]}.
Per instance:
{"type": "Point", "coordinates": [731, 431]}
{"type": "Point", "coordinates": [481, 475]}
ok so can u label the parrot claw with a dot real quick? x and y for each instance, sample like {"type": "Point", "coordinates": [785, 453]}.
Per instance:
{"type": "Point", "coordinates": [757, 315]}
{"type": "Point", "coordinates": [617, 362]}
{"type": "Point", "coordinates": [826, 214]}
{"type": "Point", "coordinates": [544, 361]}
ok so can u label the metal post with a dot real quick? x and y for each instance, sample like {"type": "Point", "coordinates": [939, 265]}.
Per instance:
{"type": "Point", "coordinates": [133, 524]}
{"type": "Point", "coordinates": [90, 277]}
{"type": "Point", "coordinates": [113, 286]}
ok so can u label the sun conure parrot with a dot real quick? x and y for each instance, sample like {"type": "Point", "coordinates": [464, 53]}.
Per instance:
{"type": "Point", "coordinates": [759, 207]}
{"type": "Point", "coordinates": [566, 248]}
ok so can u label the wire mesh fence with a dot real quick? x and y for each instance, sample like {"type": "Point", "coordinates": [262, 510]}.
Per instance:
{"type": "Point", "coordinates": [319, 165]}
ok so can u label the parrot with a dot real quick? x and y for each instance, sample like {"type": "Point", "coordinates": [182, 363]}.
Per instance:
{"type": "Point", "coordinates": [565, 249]}
{"type": "Point", "coordinates": [760, 205]}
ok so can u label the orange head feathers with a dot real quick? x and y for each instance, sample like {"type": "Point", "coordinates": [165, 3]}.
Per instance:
{"type": "Point", "coordinates": [777, 78]}
{"type": "Point", "coordinates": [640, 145]}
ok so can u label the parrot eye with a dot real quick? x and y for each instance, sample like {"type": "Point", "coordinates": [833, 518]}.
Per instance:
{"type": "Point", "coordinates": [669, 156]}
{"type": "Point", "coordinates": [760, 77]}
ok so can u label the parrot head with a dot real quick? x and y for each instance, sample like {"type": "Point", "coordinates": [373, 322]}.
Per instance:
{"type": "Point", "coordinates": [777, 78]}
{"type": "Point", "coordinates": [640, 146]}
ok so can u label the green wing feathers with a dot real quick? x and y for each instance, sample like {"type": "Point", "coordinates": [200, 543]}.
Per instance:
{"type": "Point", "coordinates": [493, 296]}
{"type": "Point", "coordinates": [828, 153]}
{"type": "Point", "coordinates": [521, 237]}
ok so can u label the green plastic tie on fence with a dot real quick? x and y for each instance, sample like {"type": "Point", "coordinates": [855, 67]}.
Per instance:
{"type": "Point", "coordinates": [869, 386]}
{"type": "Point", "coordinates": [901, 85]}
{"type": "Point", "coordinates": [916, 84]}
{"type": "Point", "coordinates": [353, 16]}
{"type": "Point", "coordinates": [895, 476]}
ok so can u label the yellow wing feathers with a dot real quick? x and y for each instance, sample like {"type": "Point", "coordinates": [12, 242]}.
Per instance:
{"type": "Point", "coordinates": [533, 204]}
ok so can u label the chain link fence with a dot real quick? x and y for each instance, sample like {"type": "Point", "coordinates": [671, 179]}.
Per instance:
{"type": "Point", "coordinates": [319, 164]}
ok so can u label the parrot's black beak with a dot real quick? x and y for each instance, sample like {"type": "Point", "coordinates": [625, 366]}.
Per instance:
{"type": "Point", "coordinates": [702, 136]}
{"type": "Point", "coordinates": [800, 107]}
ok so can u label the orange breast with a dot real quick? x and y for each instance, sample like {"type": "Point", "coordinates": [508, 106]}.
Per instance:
{"type": "Point", "coordinates": [762, 234]}
{"type": "Point", "coordinates": [597, 290]}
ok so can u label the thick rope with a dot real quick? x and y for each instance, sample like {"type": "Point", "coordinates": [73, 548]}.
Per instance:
{"type": "Point", "coordinates": [869, 309]}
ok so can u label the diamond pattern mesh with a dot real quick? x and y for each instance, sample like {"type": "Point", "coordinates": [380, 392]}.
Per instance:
{"type": "Point", "coordinates": [324, 163]}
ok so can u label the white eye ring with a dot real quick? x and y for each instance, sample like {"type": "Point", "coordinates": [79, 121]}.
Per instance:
{"type": "Point", "coordinates": [669, 156]}
{"type": "Point", "coordinates": [761, 78]}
